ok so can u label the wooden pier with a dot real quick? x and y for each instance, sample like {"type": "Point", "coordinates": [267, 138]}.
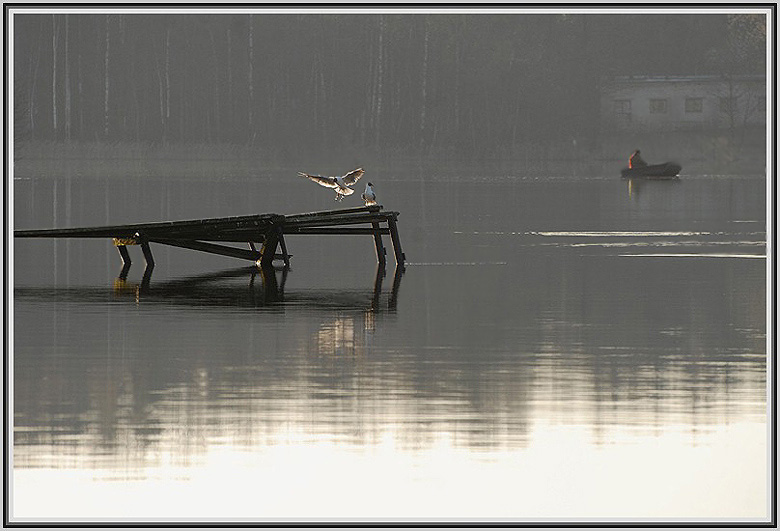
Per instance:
{"type": "Point", "coordinates": [266, 231]}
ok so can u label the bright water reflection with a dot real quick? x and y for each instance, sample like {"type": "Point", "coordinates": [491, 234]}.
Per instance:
{"type": "Point", "coordinates": [554, 349]}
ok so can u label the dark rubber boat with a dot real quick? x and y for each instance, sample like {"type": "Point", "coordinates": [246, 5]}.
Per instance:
{"type": "Point", "coordinates": [667, 170]}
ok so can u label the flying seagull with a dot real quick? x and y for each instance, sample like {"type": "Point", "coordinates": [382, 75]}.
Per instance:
{"type": "Point", "coordinates": [369, 196]}
{"type": "Point", "coordinates": [340, 184]}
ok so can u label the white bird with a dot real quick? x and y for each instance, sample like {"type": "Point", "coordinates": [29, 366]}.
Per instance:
{"type": "Point", "coordinates": [340, 184]}
{"type": "Point", "coordinates": [369, 196]}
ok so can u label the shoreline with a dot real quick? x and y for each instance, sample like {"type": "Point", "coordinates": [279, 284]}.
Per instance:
{"type": "Point", "coordinates": [700, 153]}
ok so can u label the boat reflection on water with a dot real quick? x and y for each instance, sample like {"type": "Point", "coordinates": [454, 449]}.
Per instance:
{"type": "Point", "coordinates": [636, 184]}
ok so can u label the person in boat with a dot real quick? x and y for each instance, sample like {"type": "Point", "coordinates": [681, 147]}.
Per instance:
{"type": "Point", "coordinates": [636, 161]}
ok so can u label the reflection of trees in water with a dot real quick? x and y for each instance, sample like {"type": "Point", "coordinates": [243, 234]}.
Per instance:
{"type": "Point", "coordinates": [586, 340]}
{"type": "Point", "coordinates": [641, 351]}
{"type": "Point", "coordinates": [169, 391]}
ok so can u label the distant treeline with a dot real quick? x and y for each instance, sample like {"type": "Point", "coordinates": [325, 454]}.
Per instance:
{"type": "Point", "coordinates": [467, 85]}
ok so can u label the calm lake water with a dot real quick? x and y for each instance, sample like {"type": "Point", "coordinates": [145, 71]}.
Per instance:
{"type": "Point", "coordinates": [556, 348]}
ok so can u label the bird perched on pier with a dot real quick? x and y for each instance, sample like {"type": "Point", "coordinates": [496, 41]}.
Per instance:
{"type": "Point", "coordinates": [369, 196]}
{"type": "Point", "coordinates": [340, 184]}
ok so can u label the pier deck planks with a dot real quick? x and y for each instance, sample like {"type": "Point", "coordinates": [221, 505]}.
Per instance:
{"type": "Point", "coordinates": [266, 229]}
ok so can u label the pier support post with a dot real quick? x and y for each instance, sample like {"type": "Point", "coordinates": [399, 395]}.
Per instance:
{"type": "Point", "coordinates": [380, 275]}
{"type": "Point", "coordinates": [147, 253]}
{"type": "Point", "coordinates": [270, 287]}
{"type": "Point", "coordinates": [268, 251]}
{"type": "Point", "coordinates": [125, 255]}
{"type": "Point", "coordinates": [284, 280]}
{"type": "Point", "coordinates": [400, 258]}
{"type": "Point", "coordinates": [283, 245]}
{"type": "Point", "coordinates": [380, 248]}
{"type": "Point", "coordinates": [392, 303]}
{"type": "Point", "coordinates": [147, 277]}
{"type": "Point", "coordinates": [123, 273]}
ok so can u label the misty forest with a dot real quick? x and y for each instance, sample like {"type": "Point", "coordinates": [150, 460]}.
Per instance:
{"type": "Point", "coordinates": [426, 85]}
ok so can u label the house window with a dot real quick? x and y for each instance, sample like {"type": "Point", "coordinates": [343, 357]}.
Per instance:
{"type": "Point", "coordinates": [622, 109]}
{"type": "Point", "coordinates": [622, 106]}
{"type": "Point", "coordinates": [657, 106]}
{"type": "Point", "coordinates": [728, 105]}
{"type": "Point", "coordinates": [694, 104]}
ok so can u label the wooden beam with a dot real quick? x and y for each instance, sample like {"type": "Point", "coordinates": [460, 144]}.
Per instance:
{"type": "Point", "coordinates": [365, 231]}
{"type": "Point", "coordinates": [323, 213]}
{"type": "Point", "coordinates": [338, 220]}
{"type": "Point", "coordinates": [224, 235]}
{"type": "Point", "coordinates": [258, 222]}
{"type": "Point", "coordinates": [212, 248]}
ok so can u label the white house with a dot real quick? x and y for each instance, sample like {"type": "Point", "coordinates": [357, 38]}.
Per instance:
{"type": "Point", "coordinates": [647, 103]}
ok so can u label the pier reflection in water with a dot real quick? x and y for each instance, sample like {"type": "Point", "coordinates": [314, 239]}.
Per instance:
{"type": "Point", "coordinates": [210, 289]}
{"type": "Point", "coordinates": [264, 286]}
{"type": "Point", "coordinates": [261, 287]}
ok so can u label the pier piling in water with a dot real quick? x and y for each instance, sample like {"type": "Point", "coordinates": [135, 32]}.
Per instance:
{"type": "Point", "coordinates": [124, 254]}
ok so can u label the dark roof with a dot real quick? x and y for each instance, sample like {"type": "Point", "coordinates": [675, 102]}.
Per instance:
{"type": "Point", "coordinates": [683, 79]}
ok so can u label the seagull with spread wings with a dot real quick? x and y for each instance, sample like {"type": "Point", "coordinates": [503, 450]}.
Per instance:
{"type": "Point", "coordinates": [340, 184]}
